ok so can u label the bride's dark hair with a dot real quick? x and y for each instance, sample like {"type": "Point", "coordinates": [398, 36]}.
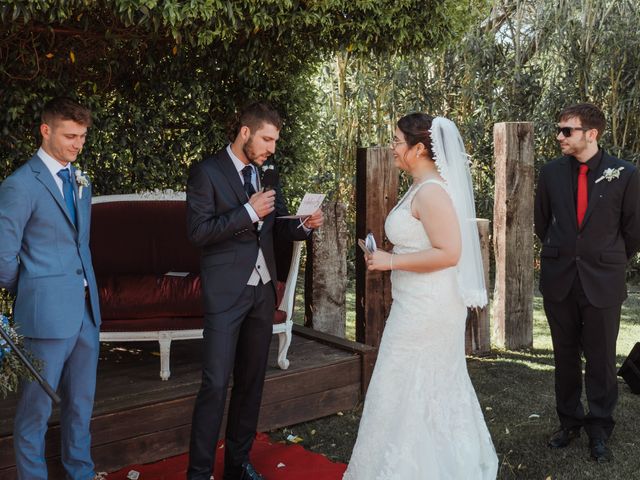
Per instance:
{"type": "Point", "coordinates": [416, 128]}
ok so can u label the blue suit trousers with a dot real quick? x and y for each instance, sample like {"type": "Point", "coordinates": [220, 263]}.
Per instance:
{"type": "Point", "coordinates": [69, 365]}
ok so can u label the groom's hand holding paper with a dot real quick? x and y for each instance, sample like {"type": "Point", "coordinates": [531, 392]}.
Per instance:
{"type": "Point", "coordinates": [315, 220]}
{"type": "Point", "coordinates": [309, 206]}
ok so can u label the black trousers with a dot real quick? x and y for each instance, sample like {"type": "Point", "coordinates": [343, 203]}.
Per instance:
{"type": "Point", "coordinates": [579, 327]}
{"type": "Point", "coordinates": [236, 340]}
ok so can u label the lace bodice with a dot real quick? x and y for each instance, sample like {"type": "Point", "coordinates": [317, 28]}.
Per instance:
{"type": "Point", "coordinates": [404, 230]}
{"type": "Point", "coordinates": [408, 235]}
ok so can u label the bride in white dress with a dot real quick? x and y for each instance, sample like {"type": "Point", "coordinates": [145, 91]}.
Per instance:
{"type": "Point", "coordinates": [421, 417]}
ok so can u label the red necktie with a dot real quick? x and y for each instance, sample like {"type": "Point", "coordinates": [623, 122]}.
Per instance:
{"type": "Point", "coordinates": [581, 206]}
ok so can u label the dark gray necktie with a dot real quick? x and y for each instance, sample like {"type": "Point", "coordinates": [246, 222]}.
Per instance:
{"type": "Point", "coordinates": [246, 177]}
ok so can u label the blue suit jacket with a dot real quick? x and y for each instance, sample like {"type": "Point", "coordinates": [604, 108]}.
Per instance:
{"type": "Point", "coordinates": [43, 256]}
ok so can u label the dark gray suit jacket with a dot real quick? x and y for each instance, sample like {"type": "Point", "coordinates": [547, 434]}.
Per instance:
{"type": "Point", "coordinates": [220, 225]}
{"type": "Point", "coordinates": [598, 251]}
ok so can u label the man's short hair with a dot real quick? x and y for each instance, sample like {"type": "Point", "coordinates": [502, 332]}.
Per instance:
{"type": "Point", "coordinates": [255, 115]}
{"type": "Point", "coordinates": [590, 116]}
{"type": "Point", "coordinates": [63, 108]}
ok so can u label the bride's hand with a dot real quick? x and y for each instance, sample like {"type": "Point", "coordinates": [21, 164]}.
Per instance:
{"type": "Point", "coordinates": [379, 260]}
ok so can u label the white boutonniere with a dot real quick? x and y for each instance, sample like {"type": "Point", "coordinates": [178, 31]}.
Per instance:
{"type": "Point", "coordinates": [81, 180]}
{"type": "Point", "coordinates": [610, 174]}
{"type": "Point", "coordinates": [267, 167]}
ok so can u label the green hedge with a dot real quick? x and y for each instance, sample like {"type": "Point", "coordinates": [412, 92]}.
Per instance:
{"type": "Point", "coordinates": [163, 78]}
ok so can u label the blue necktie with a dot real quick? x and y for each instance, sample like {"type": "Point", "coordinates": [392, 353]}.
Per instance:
{"type": "Point", "coordinates": [67, 191]}
{"type": "Point", "coordinates": [246, 176]}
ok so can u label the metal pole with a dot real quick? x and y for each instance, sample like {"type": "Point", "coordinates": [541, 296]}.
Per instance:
{"type": "Point", "coordinates": [25, 361]}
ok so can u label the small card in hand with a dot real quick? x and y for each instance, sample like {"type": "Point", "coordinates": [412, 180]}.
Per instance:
{"type": "Point", "coordinates": [370, 242]}
{"type": "Point", "coordinates": [368, 245]}
{"type": "Point", "coordinates": [364, 248]}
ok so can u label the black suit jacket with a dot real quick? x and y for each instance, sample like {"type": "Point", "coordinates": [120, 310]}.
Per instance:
{"type": "Point", "coordinates": [598, 251]}
{"type": "Point", "coordinates": [220, 225]}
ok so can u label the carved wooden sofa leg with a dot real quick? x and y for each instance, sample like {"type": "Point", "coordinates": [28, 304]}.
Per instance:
{"type": "Point", "coordinates": [284, 328]}
{"type": "Point", "coordinates": [164, 339]}
{"type": "Point", "coordinates": [284, 341]}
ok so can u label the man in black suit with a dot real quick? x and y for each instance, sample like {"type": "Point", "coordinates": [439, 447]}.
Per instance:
{"type": "Point", "coordinates": [587, 216]}
{"type": "Point", "coordinates": [233, 218]}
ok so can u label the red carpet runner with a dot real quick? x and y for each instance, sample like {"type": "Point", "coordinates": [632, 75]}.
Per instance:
{"type": "Point", "coordinates": [275, 461]}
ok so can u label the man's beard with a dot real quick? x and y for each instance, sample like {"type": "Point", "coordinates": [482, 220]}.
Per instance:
{"type": "Point", "coordinates": [248, 150]}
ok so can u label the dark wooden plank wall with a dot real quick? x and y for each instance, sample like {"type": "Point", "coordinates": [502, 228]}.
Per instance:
{"type": "Point", "coordinates": [376, 194]}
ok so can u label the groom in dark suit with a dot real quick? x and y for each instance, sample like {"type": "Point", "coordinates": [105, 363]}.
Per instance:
{"type": "Point", "coordinates": [587, 216]}
{"type": "Point", "coordinates": [45, 214]}
{"type": "Point", "coordinates": [233, 218]}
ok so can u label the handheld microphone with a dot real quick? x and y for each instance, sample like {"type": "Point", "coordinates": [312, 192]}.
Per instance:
{"type": "Point", "coordinates": [269, 179]}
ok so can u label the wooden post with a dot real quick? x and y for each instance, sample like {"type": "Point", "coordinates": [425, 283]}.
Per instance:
{"type": "Point", "coordinates": [513, 234]}
{"type": "Point", "coordinates": [478, 332]}
{"type": "Point", "coordinates": [376, 195]}
{"type": "Point", "coordinates": [326, 300]}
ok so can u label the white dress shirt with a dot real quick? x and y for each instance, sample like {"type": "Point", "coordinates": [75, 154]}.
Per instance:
{"type": "Point", "coordinates": [54, 167]}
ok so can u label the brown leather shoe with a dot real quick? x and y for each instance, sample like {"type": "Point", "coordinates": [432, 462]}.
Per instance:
{"type": "Point", "coordinates": [563, 437]}
{"type": "Point", "coordinates": [599, 450]}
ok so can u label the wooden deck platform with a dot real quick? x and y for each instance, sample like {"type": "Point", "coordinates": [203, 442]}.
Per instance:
{"type": "Point", "coordinates": [138, 418]}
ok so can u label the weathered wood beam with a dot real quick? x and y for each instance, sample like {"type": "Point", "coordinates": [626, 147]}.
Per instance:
{"type": "Point", "coordinates": [326, 273]}
{"type": "Point", "coordinates": [478, 331]}
{"type": "Point", "coordinates": [513, 234]}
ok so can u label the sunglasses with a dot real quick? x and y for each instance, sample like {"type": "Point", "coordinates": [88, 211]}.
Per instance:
{"type": "Point", "coordinates": [566, 131]}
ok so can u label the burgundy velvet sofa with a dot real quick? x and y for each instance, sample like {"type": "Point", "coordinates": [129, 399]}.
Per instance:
{"type": "Point", "coordinates": [148, 273]}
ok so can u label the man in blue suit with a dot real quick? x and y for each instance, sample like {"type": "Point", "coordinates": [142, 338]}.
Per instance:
{"type": "Point", "coordinates": [45, 208]}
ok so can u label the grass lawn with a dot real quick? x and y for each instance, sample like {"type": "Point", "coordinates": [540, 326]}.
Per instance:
{"type": "Point", "coordinates": [515, 389]}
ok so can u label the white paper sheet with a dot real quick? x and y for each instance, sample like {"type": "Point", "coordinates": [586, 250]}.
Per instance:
{"type": "Point", "coordinates": [309, 204]}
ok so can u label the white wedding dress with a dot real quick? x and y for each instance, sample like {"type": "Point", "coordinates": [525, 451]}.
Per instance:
{"type": "Point", "coordinates": [421, 418]}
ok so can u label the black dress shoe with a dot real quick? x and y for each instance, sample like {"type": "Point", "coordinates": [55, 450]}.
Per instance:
{"type": "Point", "coordinates": [563, 437]}
{"type": "Point", "coordinates": [249, 473]}
{"type": "Point", "coordinates": [599, 450]}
